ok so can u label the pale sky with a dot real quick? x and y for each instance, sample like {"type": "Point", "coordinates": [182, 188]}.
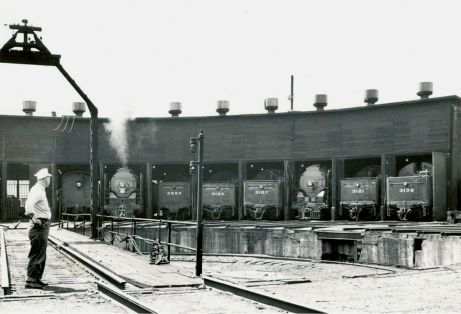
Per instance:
{"type": "Point", "coordinates": [144, 54]}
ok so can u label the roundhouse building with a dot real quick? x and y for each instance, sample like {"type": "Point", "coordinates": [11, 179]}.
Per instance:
{"type": "Point", "coordinates": [346, 140]}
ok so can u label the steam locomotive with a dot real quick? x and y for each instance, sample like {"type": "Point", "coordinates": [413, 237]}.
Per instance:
{"type": "Point", "coordinates": [360, 195]}
{"type": "Point", "coordinates": [409, 196]}
{"type": "Point", "coordinates": [312, 194]}
{"type": "Point", "coordinates": [174, 200]}
{"type": "Point", "coordinates": [263, 196]}
{"type": "Point", "coordinates": [75, 193]}
{"type": "Point", "coordinates": [124, 194]}
{"type": "Point", "coordinates": [219, 200]}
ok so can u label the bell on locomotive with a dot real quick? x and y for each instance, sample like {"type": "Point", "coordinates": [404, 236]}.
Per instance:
{"type": "Point", "coordinates": [312, 194]}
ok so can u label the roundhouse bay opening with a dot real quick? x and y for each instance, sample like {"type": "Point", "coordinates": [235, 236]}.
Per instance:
{"type": "Point", "coordinates": [73, 195]}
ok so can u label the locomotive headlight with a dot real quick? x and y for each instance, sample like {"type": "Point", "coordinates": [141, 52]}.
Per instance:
{"type": "Point", "coordinates": [78, 184]}
{"type": "Point", "coordinates": [405, 184]}
{"type": "Point", "coordinates": [357, 185]}
{"type": "Point", "coordinates": [310, 183]}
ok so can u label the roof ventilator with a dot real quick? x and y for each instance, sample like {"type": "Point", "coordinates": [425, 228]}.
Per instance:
{"type": "Point", "coordinates": [271, 104]}
{"type": "Point", "coordinates": [175, 108]}
{"type": "Point", "coordinates": [222, 107]}
{"type": "Point", "coordinates": [78, 108]}
{"type": "Point", "coordinates": [425, 89]}
{"type": "Point", "coordinates": [371, 97]}
{"type": "Point", "coordinates": [29, 107]}
{"type": "Point", "coordinates": [321, 101]}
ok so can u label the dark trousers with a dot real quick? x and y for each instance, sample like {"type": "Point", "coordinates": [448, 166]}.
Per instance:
{"type": "Point", "coordinates": [38, 236]}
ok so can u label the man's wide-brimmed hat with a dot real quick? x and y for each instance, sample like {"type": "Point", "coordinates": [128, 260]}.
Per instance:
{"type": "Point", "coordinates": [42, 173]}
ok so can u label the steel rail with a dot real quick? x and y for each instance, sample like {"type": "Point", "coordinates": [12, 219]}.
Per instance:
{"type": "Point", "coordinates": [96, 267]}
{"type": "Point", "coordinates": [257, 296]}
{"type": "Point", "coordinates": [6, 285]}
{"type": "Point", "coordinates": [124, 299]}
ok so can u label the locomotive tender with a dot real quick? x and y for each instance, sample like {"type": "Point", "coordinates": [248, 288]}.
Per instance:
{"type": "Point", "coordinates": [410, 196]}
{"type": "Point", "coordinates": [262, 197]}
{"type": "Point", "coordinates": [174, 200]}
{"type": "Point", "coordinates": [219, 200]}
{"type": "Point", "coordinates": [360, 195]}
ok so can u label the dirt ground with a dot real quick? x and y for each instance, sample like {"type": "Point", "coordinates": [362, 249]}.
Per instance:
{"type": "Point", "coordinates": [65, 303]}
{"type": "Point", "coordinates": [341, 288]}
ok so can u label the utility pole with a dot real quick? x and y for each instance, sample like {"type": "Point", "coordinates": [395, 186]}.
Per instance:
{"type": "Point", "coordinates": [32, 51]}
{"type": "Point", "coordinates": [291, 97]}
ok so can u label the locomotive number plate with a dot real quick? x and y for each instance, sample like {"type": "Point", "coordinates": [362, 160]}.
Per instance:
{"type": "Point", "coordinates": [261, 192]}
{"type": "Point", "coordinates": [358, 191]}
{"type": "Point", "coordinates": [217, 193]}
{"type": "Point", "coordinates": [173, 193]}
{"type": "Point", "coordinates": [406, 190]}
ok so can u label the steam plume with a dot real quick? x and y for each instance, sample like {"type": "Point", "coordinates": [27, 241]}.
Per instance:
{"type": "Point", "coordinates": [116, 128]}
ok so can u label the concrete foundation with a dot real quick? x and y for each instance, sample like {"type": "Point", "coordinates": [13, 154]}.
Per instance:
{"type": "Point", "coordinates": [381, 247]}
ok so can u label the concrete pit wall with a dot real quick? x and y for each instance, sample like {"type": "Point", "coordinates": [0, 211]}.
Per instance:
{"type": "Point", "coordinates": [231, 240]}
{"type": "Point", "coordinates": [408, 250]}
{"type": "Point", "coordinates": [387, 248]}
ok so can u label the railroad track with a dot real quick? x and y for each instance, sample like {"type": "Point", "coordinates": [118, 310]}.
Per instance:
{"type": "Point", "coordinates": [113, 286]}
{"type": "Point", "coordinates": [69, 273]}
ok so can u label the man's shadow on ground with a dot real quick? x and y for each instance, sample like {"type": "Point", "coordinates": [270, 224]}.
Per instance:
{"type": "Point", "coordinates": [59, 289]}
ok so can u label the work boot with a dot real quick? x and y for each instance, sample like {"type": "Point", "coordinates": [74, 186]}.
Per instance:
{"type": "Point", "coordinates": [39, 281]}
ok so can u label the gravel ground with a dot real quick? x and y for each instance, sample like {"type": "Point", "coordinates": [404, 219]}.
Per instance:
{"type": "Point", "coordinates": [90, 302]}
{"type": "Point", "coordinates": [202, 300]}
{"type": "Point", "coordinates": [340, 288]}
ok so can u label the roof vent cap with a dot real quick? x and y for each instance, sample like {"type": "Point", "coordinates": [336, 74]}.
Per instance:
{"type": "Point", "coordinates": [271, 104]}
{"type": "Point", "coordinates": [321, 101]}
{"type": "Point", "coordinates": [29, 107]}
{"type": "Point", "coordinates": [222, 107]}
{"type": "Point", "coordinates": [371, 96]}
{"type": "Point", "coordinates": [175, 108]}
{"type": "Point", "coordinates": [78, 108]}
{"type": "Point", "coordinates": [425, 89]}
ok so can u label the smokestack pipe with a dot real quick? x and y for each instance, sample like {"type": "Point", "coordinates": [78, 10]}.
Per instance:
{"type": "Point", "coordinates": [321, 101]}
{"type": "Point", "coordinates": [29, 107]}
{"type": "Point", "coordinates": [425, 89]}
{"type": "Point", "coordinates": [271, 104]}
{"type": "Point", "coordinates": [371, 96]}
{"type": "Point", "coordinates": [222, 107]}
{"type": "Point", "coordinates": [175, 108]}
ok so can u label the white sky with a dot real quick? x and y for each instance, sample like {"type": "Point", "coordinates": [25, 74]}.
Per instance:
{"type": "Point", "coordinates": [143, 54]}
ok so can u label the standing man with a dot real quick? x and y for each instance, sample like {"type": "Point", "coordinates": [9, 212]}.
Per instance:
{"type": "Point", "coordinates": [38, 209]}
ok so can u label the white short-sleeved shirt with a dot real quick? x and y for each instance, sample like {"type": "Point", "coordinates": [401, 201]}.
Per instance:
{"type": "Point", "coordinates": [37, 203]}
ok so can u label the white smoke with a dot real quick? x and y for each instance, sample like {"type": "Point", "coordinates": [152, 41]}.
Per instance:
{"type": "Point", "coordinates": [116, 128]}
